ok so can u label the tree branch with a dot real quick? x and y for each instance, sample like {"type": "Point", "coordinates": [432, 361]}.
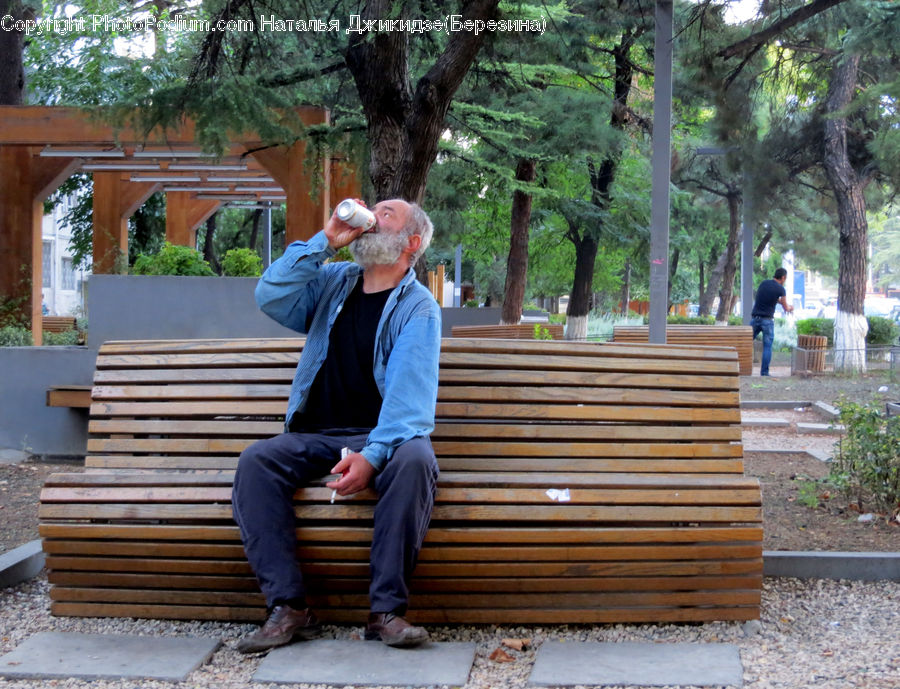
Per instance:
{"type": "Point", "coordinates": [755, 40]}
{"type": "Point", "coordinates": [304, 73]}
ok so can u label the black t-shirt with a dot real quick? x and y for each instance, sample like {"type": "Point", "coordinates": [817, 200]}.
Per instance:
{"type": "Point", "coordinates": [767, 296]}
{"type": "Point", "coordinates": [344, 394]}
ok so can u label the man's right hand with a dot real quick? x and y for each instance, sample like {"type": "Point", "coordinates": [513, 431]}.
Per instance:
{"type": "Point", "coordinates": [339, 233]}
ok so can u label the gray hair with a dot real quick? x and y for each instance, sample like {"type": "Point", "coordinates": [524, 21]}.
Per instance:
{"type": "Point", "coordinates": [418, 223]}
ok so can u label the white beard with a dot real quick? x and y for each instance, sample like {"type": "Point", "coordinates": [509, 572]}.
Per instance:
{"type": "Point", "coordinates": [378, 248]}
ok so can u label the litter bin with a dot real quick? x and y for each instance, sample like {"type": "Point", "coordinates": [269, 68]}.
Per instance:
{"type": "Point", "coordinates": [815, 346]}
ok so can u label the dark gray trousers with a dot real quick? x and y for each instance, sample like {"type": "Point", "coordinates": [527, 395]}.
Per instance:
{"type": "Point", "coordinates": [270, 471]}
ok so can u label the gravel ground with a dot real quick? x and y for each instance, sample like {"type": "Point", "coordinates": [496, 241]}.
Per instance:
{"type": "Point", "coordinates": [822, 634]}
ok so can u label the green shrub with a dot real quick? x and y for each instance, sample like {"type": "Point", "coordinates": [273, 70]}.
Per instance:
{"type": "Point", "coordinates": [866, 467]}
{"type": "Point", "coordinates": [542, 333]}
{"type": "Point", "coordinates": [882, 331]}
{"type": "Point", "coordinates": [687, 320]}
{"type": "Point", "coordinates": [67, 338]}
{"type": "Point", "coordinates": [172, 260]}
{"type": "Point", "coordinates": [817, 326]}
{"type": "Point", "coordinates": [15, 336]}
{"type": "Point", "coordinates": [557, 318]}
{"type": "Point", "coordinates": [242, 263]}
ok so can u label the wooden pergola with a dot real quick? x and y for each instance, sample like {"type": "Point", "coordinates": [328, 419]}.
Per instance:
{"type": "Point", "coordinates": [41, 147]}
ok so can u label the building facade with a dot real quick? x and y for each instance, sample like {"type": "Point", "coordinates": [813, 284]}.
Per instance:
{"type": "Point", "coordinates": [63, 283]}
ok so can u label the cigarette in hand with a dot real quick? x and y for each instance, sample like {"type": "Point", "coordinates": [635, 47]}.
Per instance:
{"type": "Point", "coordinates": [344, 452]}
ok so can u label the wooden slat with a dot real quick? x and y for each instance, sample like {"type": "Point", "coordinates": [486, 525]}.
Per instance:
{"type": "Point", "coordinates": [75, 396]}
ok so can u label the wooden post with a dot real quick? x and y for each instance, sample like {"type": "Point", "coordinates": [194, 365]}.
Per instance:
{"type": "Point", "coordinates": [184, 215]}
{"type": "Point", "coordinates": [115, 200]}
{"type": "Point", "coordinates": [440, 284]}
{"type": "Point", "coordinates": [25, 182]}
{"type": "Point", "coordinates": [305, 214]}
{"type": "Point", "coordinates": [110, 228]}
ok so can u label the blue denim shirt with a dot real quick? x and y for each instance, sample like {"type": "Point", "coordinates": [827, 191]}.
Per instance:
{"type": "Point", "coordinates": [301, 293]}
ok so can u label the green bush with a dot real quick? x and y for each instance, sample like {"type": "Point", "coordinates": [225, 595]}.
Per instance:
{"type": "Point", "coordinates": [15, 336]}
{"type": "Point", "coordinates": [882, 331]}
{"type": "Point", "coordinates": [67, 338]}
{"type": "Point", "coordinates": [542, 333]}
{"type": "Point", "coordinates": [866, 467]}
{"type": "Point", "coordinates": [242, 263]}
{"type": "Point", "coordinates": [172, 260]}
{"type": "Point", "coordinates": [817, 326]}
{"type": "Point", "coordinates": [687, 320]}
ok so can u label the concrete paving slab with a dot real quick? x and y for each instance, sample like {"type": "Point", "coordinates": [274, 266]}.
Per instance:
{"type": "Point", "coordinates": [832, 565]}
{"type": "Point", "coordinates": [50, 655]}
{"type": "Point", "coordinates": [834, 429]}
{"type": "Point", "coordinates": [20, 564]}
{"type": "Point", "coordinates": [774, 404]}
{"type": "Point", "coordinates": [560, 663]}
{"type": "Point", "coordinates": [764, 421]}
{"type": "Point", "coordinates": [826, 410]}
{"type": "Point", "coordinates": [368, 663]}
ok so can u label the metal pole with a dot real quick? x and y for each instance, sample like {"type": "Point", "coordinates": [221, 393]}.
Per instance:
{"type": "Point", "coordinates": [661, 163]}
{"type": "Point", "coordinates": [267, 235]}
{"type": "Point", "coordinates": [747, 255]}
{"type": "Point", "coordinates": [457, 278]}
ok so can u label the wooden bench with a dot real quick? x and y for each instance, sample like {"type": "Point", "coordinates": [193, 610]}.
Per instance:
{"type": "Point", "coordinates": [58, 324]}
{"type": "Point", "coordinates": [738, 336]}
{"type": "Point", "coordinates": [660, 525]}
{"type": "Point", "coordinates": [522, 331]}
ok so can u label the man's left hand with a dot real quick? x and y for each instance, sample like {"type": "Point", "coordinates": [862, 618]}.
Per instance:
{"type": "Point", "coordinates": [357, 474]}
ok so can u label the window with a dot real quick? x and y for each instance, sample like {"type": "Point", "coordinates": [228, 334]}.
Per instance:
{"type": "Point", "coordinates": [68, 274]}
{"type": "Point", "coordinates": [47, 265]}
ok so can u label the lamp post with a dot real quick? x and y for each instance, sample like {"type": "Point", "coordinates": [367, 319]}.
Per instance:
{"type": "Point", "coordinates": [661, 171]}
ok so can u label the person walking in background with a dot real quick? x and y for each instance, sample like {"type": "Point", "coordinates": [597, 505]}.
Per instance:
{"type": "Point", "coordinates": [769, 294]}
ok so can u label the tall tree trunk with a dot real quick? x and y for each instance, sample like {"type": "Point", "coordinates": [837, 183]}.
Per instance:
{"type": "Point", "coordinates": [626, 287]}
{"type": "Point", "coordinates": [254, 231]}
{"type": "Point", "coordinates": [673, 268]}
{"type": "Point", "coordinates": [12, 46]}
{"type": "Point", "coordinates": [209, 252]}
{"type": "Point", "coordinates": [405, 124]}
{"type": "Point", "coordinates": [729, 269]}
{"type": "Point", "coordinates": [602, 179]}
{"type": "Point", "coordinates": [712, 283]}
{"type": "Point", "coordinates": [850, 325]}
{"type": "Point", "coordinates": [517, 262]}
{"type": "Point", "coordinates": [701, 282]}
{"type": "Point", "coordinates": [580, 299]}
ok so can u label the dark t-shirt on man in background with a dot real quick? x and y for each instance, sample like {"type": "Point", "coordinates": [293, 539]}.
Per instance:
{"type": "Point", "coordinates": [767, 295]}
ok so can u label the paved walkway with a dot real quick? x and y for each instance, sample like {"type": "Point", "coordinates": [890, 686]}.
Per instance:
{"type": "Point", "coordinates": [59, 655]}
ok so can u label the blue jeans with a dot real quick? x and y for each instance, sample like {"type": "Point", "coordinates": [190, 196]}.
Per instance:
{"type": "Point", "coordinates": [766, 326]}
{"type": "Point", "coordinates": [271, 470]}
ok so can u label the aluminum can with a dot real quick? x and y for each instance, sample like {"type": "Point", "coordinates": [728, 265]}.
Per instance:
{"type": "Point", "coordinates": [355, 214]}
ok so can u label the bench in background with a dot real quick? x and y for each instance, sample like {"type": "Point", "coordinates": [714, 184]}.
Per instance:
{"type": "Point", "coordinates": [660, 524]}
{"type": "Point", "coordinates": [738, 336]}
{"type": "Point", "coordinates": [58, 324]}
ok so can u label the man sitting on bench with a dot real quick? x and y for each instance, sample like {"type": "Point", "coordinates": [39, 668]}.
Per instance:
{"type": "Point", "coordinates": [361, 405]}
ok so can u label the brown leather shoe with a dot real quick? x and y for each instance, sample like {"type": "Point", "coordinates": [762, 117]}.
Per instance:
{"type": "Point", "coordinates": [394, 630]}
{"type": "Point", "coordinates": [283, 626]}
